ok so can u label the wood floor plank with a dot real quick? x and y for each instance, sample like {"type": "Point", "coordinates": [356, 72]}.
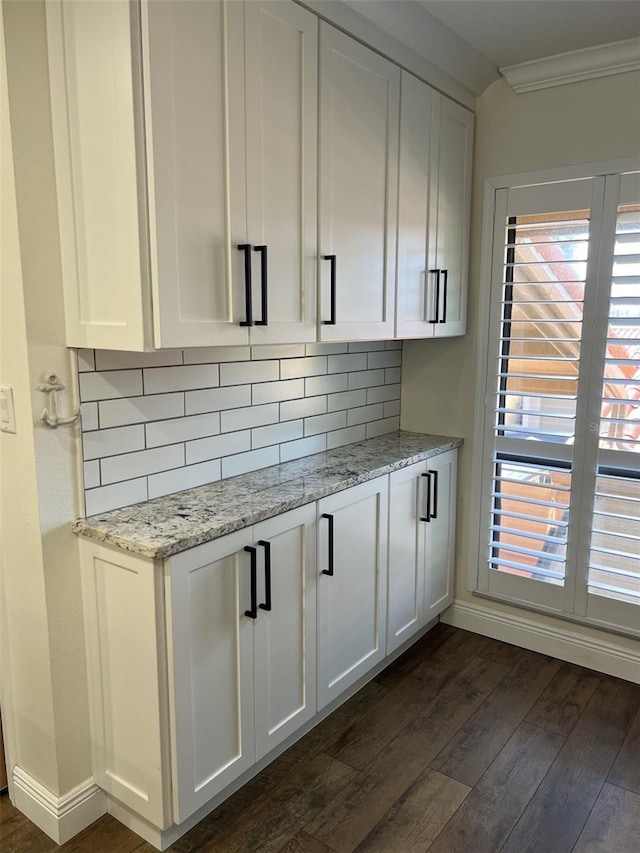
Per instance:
{"type": "Point", "coordinates": [345, 822]}
{"type": "Point", "coordinates": [416, 654]}
{"type": "Point", "coordinates": [479, 741]}
{"type": "Point", "coordinates": [565, 698]}
{"type": "Point", "coordinates": [272, 824]}
{"type": "Point", "coordinates": [504, 653]}
{"type": "Point", "coordinates": [625, 772]}
{"type": "Point", "coordinates": [489, 813]}
{"type": "Point", "coordinates": [303, 843]}
{"type": "Point", "coordinates": [417, 817]}
{"type": "Point", "coordinates": [559, 809]}
{"type": "Point", "coordinates": [613, 825]}
{"type": "Point", "coordinates": [107, 835]}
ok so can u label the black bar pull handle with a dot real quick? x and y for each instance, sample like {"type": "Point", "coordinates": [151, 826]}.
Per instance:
{"type": "Point", "coordinates": [266, 605]}
{"type": "Point", "coordinates": [436, 272]}
{"type": "Point", "coordinates": [246, 248]}
{"type": "Point", "coordinates": [264, 284]}
{"type": "Point", "coordinates": [427, 516]}
{"type": "Point", "coordinates": [445, 274]}
{"type": "Point", "coordinates": [332, 260]}
{"type": "Point", "coordinates": [329, 571]}
{"type": "Point", "coordinates": [434, 503]}
{"type": "Point", "coordinates": [253, 613]}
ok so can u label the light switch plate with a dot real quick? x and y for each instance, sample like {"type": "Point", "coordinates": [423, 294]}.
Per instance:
{"type": "Point", "coordinates": [7, 409]}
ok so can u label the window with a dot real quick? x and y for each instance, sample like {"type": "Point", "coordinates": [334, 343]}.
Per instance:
{"type": "Point", "coordinates": [560, 509]}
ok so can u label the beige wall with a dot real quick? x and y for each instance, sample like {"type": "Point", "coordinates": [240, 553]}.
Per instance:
{"type": "Point", "coordinates": [577, 123]}
{"type": "Point", "coordinates": [41, 580]}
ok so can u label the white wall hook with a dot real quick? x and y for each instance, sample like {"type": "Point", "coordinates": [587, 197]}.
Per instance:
{"type": "Point", "coordinates": [50, 415]}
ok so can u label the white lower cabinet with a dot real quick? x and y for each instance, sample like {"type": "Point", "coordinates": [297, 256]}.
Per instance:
{"type": "Point", "coordinates": [241, 643]}
{"type": "Point", "coordinates": [201, 664]}
{"type": "Point", "coordinates": [422, 520]}
{"type": "Point", "coordinates": [352, 585]}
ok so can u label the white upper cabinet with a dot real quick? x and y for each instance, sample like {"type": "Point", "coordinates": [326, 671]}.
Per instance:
{"type": "Point", "coordinates": [184, 130]}
{"type": "Point", "coordinates": [436, 137]}
{"type": "Point", "coordinates": [359, 104]}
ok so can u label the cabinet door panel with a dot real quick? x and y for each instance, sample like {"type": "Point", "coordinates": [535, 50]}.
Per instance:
{"type": "Point", "coordinates": [454, 208]}
{"type": "Point", "coordinates": [440, 535]}
{"type": "Point", "coordinates": [405, 593]}
{"type": "Point", "coordinates": [417, 208]}
{"type": "Point", "coordinates": [359, 105]}
{"type": "Point", "coordinates": [211, 667]}
{"type": "Point", "coordinates": [285, 671]}
{"type": "Point", "coordinates": [352, 602]}
{"type": "Point", "coordinates": [185, 54]}
{"type": "Point", "coordinates": [281, 62]}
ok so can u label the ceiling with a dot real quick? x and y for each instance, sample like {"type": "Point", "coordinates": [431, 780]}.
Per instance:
{"type": "Point", "coordinates": [507, 32]}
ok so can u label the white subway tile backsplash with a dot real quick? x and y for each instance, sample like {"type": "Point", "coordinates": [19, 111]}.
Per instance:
{"type": "Point", "coordinates": [325, 423]}
{"type": "Point", "coordinates": [216, 446]}
{"type": "Point", "coordinates": [303, 447]}
{"type": "Point", "coordinates": [89, 416]}
{"type": "Point", "coordinates": [381, 427]}
{"type": "Point", "coordinates": [383, 393]}
{"type": "Point", "coordinates": [304, 408]}
{"type": "Point", "coordinates": [182, 429]}
{"type": "Point", "coordinates": [346, 400]}
{"type": "Point", "coordinates": [217, 399]}
{"type": "Point", "coordinates": [366, 379]}
{"type": "Point", "coordinates": [187, 378]}
{"type": "Point", "coordinates": [340, 437]}
{"type": "Point", "coordinates": [275, 392]}
{"type": "Point", "coordinates": [112, 442]}
{"type": "Point", "coordinates": [346, 363]}
{"type": "Point", "coordinates": [282, 351]}
{"type": "Point", "coordinates": [107, 359]}
{"type": "Point", "coordinates": [184, 478]}
{"type": "Point", "coordinates": [326, 349]}
{"type": "Point", "coordinates": [325, 384]}
{"type": "Point", "coordinates": [389, 358]}
{"type": "Point", "coordinates": [109, 385]}
{"type": "Point", "coordinates": [365, 414]}
{"type": "Point", "coordinates": [86, 360]}
{"type": "Point", "coordinates": [276, 433]}
{"type": "Point", "coordinates": [156, 423]}
{"type": "Point", "coordinates": [242, 373]}
{"type": "Point", "coordinates": [215, 355]}
{"type": "Point", "coordinates": [252, 461]}
{"type": "Point", "coordinates": [113, 497]}
{"type": "Point", "coordinates": [251, 417]}
{"type": "Point", "coordinates": [141, 463]}
{"type": "Point", "coordinates": [140, 409]}
{"type": "Point", "coordinates": [294, 368]}
{"type": "Point", "coordinates": [91, 472]}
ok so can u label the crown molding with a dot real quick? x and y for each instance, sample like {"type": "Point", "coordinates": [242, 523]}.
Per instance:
{"type": "Point", "coordinates": [586, 64]}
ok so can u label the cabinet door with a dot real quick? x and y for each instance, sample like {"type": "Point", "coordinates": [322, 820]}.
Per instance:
{"type": "Point", "coordinates": [440, 533]}
{"type": "Point", "coordinates": [185, 56]}
{"type": "Point", "coordinates": [352, 547]}
{"type": "Point", "coordinates": [454, 209]}
{"type": "Point", "coordinates": [406, 591]}
{"type": "Point", "coordinates": [281, 114]}
{"type": "Point", "coordinates": [417, 209]}
{"type": "Point", "coordinates": [285, 635]}
{"type": "Point", "coordinates": [211, 669]}
{"type": "Point", "coordinates": [359, 113]}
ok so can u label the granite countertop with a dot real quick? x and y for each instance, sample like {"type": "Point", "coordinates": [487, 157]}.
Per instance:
{"type": "Point", "coordinates": [168, 525]}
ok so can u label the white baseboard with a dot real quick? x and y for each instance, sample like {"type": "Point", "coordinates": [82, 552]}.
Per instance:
{"type": "Point", "coordinates": [602, 655]}
{"type": "Point", "coordinates": [60, 817]}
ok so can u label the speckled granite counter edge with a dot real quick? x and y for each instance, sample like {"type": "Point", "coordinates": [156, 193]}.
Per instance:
{"type": "Point", "coordinates": [171, 524]}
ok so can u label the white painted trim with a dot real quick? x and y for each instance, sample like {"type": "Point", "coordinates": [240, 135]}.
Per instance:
{"type": "Point", "coordinates": [601, 655]}
{"type": "Point", "coordinates": [585, 64]}
{"type": "Point", "coordinates": [59, 817]}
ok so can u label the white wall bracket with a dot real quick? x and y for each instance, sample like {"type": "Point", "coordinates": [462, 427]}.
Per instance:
{"type": "Point", "coordinates": [50, 415]}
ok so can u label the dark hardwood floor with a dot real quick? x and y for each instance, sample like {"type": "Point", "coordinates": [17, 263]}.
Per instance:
{"type": "Point", "coordinates": [462, 745]}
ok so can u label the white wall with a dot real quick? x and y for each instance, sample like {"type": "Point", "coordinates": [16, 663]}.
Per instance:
{"type": "Point", "coordinates": [578, 123]}
{"type": "Point", "coordinates": [43, 627]}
